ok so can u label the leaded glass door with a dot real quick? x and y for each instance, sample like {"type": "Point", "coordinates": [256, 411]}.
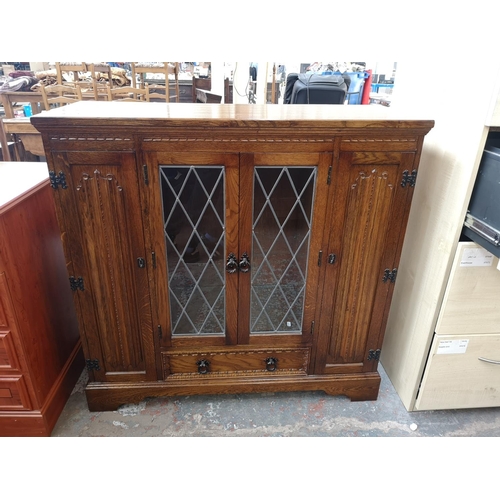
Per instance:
{"type": "Point", "coordinates": [196, 295]}
{"type": "Point", "coordinates": [283, 201]}
{"type": "Point", "coordinates": [236, 265]}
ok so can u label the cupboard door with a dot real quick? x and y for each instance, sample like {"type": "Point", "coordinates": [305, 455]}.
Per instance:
{"type": "Point", "coordinates": [193, 202]}
{"type": "Point", "coordinates": [369, 208]}
{"type": "Point", "coordinates": [104, 242]}
{"type": "Point", "coordinates": [282, 200]}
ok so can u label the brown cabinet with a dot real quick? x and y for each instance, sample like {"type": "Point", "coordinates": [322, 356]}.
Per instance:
{"type": "Point", "coordinates": [226, 248]}
{"type": "Point", "coordinates": [40, 348]}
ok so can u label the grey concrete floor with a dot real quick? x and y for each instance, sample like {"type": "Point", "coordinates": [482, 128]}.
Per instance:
{"type": "Point", "coordinates": [304, 414]}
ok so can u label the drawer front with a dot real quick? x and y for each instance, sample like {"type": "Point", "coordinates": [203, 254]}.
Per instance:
{"type": "Point", "coordinates": [471, 302]}
{"type": "Point", "coordinates": [463, 371]}
{"type": "Point", "coordinates": [233, 362]}
{"type": "Point", "coordinates": [8, 357]}
{"type": "Point", "coordinates": [14, 394]}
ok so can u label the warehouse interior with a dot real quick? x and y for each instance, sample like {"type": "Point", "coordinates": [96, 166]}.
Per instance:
{"type": "Point", "coordinates": [449, 165]}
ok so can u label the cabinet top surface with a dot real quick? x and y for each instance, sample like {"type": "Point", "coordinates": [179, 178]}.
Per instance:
{"type": "Point", "coordinates": [17, 178]}
{"type": "Point", "coordinates": [149, 114]}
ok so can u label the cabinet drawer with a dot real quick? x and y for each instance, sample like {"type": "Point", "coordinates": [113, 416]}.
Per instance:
{"type": "Point", "coordinates": [471, 303]}
{"type": "Point", "coordinates": [456, 377]}
{"type": "Point", "coordinates": [8, 357]}
{"type": "Point", "coordinates": [236, 362]}
{"type": "Point", "coordinates": [14, 394]}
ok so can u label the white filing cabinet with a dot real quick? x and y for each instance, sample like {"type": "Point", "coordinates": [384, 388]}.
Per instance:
{"type": "Point", "coordinates": [463, 367]}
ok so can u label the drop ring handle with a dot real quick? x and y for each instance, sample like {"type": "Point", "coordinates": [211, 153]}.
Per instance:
{"type": "Point", "coordinates": [231, 263]}
{"type": "Point", "coordinates": [203, 366]}
{"type": "Point", "coordinates": [271, 364]}
{"type": "Point", "coordinates": [244, 264]}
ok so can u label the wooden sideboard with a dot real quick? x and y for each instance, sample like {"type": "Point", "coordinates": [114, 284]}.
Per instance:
{"type": "Point", "coordinates": [231, 248]}
{"type": "Point", "coordinates": [40, 349]}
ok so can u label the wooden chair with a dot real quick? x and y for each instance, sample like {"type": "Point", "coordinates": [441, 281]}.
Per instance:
{"type": "Point", "coordinates": [74, 67]}
{"type": "Point", "coordinates": [127, 94]}
{"type": "Point", "coordinates": [86, 75]}
{"type": "Point", "coordinates": [99, 88]}
{"type": "Point", "coordinates": [59, 95]}
{"type": "Point", "coordinates": [165, 68]}
{"type": "Point", "coordinates": [95, 91]}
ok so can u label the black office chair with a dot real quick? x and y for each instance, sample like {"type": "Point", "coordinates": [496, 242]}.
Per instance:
{"type": "Point", "coordinates": [311, 88]}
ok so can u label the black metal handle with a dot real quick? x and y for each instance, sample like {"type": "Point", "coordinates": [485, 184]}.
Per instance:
{"type": "Point", "coordinates": [271, 364]}
{"type": "Point", "coordinates": [231, 263]}
{"type": "Point", "coordinates": [244, 264]}
{"type": "Point", "coordinates": [203, 366]}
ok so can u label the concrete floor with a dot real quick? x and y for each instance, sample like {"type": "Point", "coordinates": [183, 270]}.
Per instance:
{"type": "Point", "coordinates": [304, 414]}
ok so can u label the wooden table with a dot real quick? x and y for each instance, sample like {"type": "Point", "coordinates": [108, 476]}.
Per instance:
{"type": "Point", "coordinates": [9, 98]}
{"type": "Point", "coordinates": [24, 136]}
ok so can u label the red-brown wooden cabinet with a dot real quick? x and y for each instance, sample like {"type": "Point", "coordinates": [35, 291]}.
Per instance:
{"type": "Point", "coordinates": [40, 348]}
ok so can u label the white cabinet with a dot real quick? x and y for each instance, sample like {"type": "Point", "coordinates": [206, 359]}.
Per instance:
{"type": "Point", "coordinates": [463, 368]}
{"type": "Point", "coordinates": [449, 164]}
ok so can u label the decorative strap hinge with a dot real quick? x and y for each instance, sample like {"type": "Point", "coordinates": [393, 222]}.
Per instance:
{"type": "Point", "coordinates": [373, 355]}
{"type": "Point", "coordinates": [409, 179]}
{"type": "Point", "coordinates": [76, 283]}
{"type": "Point", "coordinates": [92, 364]}
{"type": "Point", "coordinates": [390, 275]}
{"type": "Point", "coordinates": [57, 180]}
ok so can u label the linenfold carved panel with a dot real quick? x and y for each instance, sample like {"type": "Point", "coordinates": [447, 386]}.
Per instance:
{"type": "Point", "coordinates": [367, 216]}
{"type": "Point", "coordinates": [103, 204]}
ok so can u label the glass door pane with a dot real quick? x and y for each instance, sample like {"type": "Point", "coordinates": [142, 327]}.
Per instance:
{"type": "Point", "coordinates": [193, 219]}
{"type": "Point", "coordinates": [283, 201]}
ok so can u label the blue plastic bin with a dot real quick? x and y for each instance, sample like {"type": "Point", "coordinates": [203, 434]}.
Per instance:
{"type": "Point", "coordinates": [355, 93]}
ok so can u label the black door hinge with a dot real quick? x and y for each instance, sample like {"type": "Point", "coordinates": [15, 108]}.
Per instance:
{"type": "Point", "coordinates": [76, 283]}
{"type": "Point", "coordinates": [146, 175]}
{"type": "Point", "coordinates": [57, 180]}
{"type": "Point", "coordinates": [329, 178]}
{"type": "Point", "coordinates": [373, 355]}
{"type": "Point", "coordinates": [160, 332]}
{"type": "Point", "coordinates": [92, 364]}
{"type": "Point", "coordinates": [409, 179]}
{"type": "Point", "coordinates": [390, 275]}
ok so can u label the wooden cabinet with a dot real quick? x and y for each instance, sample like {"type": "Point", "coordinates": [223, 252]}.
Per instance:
{"type": "Point", "coordinates": [231, 248]}
{"type": "Point", "coordinates": [40, 348]}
